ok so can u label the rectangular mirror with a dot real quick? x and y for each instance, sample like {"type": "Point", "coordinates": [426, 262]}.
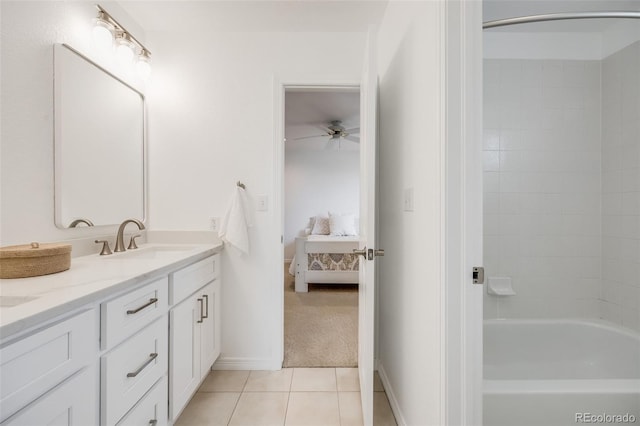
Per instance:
{"type": "Point", "coordinates": [99, 144]}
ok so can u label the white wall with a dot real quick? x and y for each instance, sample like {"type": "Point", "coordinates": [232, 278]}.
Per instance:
{"type": "Point", "coordinates": [542, 186]}
{"type": "Point", "coordinates": [318, 182]}
{"type": "Point", "coordinates": [620, 299]}
{"type": "Point", "coordinates": [29, 31]}
{"type": "Point", "coordinates": [211, 124]}
{"type": "Point", "coordinates": [409, 43]}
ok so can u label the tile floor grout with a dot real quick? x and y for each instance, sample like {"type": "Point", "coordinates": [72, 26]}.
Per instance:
{"type": "Point", "coordinates": [220, 382]}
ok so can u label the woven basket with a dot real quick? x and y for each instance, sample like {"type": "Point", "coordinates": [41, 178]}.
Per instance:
{"type": "Point", "coordinates": [32, 260]}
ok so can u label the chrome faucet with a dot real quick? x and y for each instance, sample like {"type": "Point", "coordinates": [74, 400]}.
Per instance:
{"type": "Point", "coordinates": [120, 236]}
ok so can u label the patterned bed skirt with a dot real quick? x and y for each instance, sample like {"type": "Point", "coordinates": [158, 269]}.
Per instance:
{"type": "Point", "coordinates": [332, 261]}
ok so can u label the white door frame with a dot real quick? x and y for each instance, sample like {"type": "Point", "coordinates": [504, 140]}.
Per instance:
{"type": "Point", "coordinates": [462, 212]}
{"type": "Point", "coordinates": [307, 82]}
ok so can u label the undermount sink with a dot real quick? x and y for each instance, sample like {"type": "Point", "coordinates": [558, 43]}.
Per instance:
{"type": "Point", "coordinates": [154, 252]}
{"type": "Point", "coordinates": [11, 301]}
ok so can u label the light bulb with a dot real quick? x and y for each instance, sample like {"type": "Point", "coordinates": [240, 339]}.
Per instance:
{"type": "Point", "coordinates": [102, 34]}
{"type": "Point", "coordinates": [144, 65]}
{"type": "Point", "coordinates": [125, 49]}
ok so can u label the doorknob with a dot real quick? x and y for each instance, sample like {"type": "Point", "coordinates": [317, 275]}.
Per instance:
{"type": "Point", "coordinates": [378, 252]}
{"type": "Point", "coordinates": [362, 252]}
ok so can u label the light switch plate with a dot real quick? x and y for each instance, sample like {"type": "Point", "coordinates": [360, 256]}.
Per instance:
{"type": "Point", "coordinates": [263, 203]}
{"type": "Point", "coordinates": [408, 199]}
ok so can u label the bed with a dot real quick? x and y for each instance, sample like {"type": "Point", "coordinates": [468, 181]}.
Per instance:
{"type": "Point", "coordinates": [325, 259]}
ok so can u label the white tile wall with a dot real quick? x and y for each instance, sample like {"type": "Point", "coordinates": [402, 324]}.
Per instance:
{"type": "Point", "coordinates": [542, 164]}
{"type": "Point", "coordinates": [562, 186]}
{"type": "Point", "coordinates": [620, 298]}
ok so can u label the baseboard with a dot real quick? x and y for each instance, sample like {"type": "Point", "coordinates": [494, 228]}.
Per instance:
{"type": "Point", "coordinates": [393, 401]}
{"type": "Point", "coordinates": [239, 363]}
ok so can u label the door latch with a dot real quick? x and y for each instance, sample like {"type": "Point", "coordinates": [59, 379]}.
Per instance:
{"type": "Point", "coordinates": [362, 252]}
{"type": "Point", "coordinates": [478, 275]}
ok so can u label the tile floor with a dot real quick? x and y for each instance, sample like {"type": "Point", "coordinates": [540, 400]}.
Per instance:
{"type": "Point", "coordinates": [291, 396]}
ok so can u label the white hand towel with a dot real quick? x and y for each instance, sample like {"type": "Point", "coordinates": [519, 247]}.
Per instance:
{"type": "Point", "coordinates": [292, 266]}
{"type": "Point", "coordinates": [234, 227]}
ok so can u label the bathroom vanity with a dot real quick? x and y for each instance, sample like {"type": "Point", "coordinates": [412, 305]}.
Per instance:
{"type": "Point", "coordinates": [119, 339]}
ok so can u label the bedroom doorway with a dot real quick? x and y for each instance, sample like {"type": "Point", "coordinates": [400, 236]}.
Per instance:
{"type": "Point", "coordinates": [321, 212]}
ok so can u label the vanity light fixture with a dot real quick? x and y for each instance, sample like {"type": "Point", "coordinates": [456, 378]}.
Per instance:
{"type": "Point", "coordinates": [143, 65]}
{"type": "Point", "coordinates": [125, 49]}
{"type": "Point", "coordinates": [102, 33]}
{"type": "Point", "coordinates": [107, 29]}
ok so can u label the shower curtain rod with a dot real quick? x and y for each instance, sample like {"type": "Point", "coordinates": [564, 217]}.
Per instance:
{"type": "Point", "coordinates": [560, 16]}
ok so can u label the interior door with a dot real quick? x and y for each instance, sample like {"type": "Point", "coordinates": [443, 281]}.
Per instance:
{"type": "Point", "coordinates": [366, 291]}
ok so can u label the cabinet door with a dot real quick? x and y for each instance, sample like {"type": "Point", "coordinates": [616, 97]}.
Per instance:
{"type": "Point", "coordinates": [217, 317]}
{"type": "Point", "coordinates": [38, 363]}
{"type": "Point", "coordinates": [207, 329]}
{"type": "Point", "coordinates": [73, 402]}
{"type": "Point", "coordinates": [184, 353]}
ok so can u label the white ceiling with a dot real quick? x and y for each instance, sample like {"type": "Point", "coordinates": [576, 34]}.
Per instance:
{"type": "Point", "coordinates": [200, 16]}
{"type": "Point", "coordinates": [500, 9]}
{"type": "Point", "coordinates": [309, 114]}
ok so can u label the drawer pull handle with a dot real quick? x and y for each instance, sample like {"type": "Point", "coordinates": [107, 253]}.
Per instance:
{"type": "Point", "coordinates": [206, 305]}
{"type": "Point", "coordinates": [201, 311]}
{"type": "Point", "coordinates": [139, 370]}
{"type": "Point", "coordinates": [153, 422]}
{"type": "Point", "coordinates": [149, 303]}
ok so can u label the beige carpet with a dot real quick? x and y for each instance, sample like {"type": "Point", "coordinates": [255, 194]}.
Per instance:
{"type": "Point", "coordinates": [321, 326]}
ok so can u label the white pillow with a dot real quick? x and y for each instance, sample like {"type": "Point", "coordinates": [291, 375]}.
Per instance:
{"type": "Point", "coordinates": [321, 226]}
{"type": "Point", "coordinates": [342, 224]}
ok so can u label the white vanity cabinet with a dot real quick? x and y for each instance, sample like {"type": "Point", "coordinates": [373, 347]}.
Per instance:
{"type": "Point", "coordinates": [131, 353]}
{"type": "Point", "coordinates": [194, 330]}
{"type": "Point", "coordinates": [50, 376]}
{"type": "Point", "coordinates": [139, 361]}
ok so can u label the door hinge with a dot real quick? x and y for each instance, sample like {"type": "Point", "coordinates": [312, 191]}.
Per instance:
{"type": "Point", "coordinates": [478, 275]}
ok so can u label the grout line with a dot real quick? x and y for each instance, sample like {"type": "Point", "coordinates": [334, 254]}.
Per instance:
{"type": "Point", "coordinates": [234, 409]}
{"type": "Point", "coordinates": [286, 412]}
{"type": "Point", "coordinates": [335, 373]}
{"type": "Point", "coordinates": [245, 382]}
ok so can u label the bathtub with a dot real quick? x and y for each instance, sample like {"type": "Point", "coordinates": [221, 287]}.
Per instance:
{"type": "Point", "coordinates": [560, 372]}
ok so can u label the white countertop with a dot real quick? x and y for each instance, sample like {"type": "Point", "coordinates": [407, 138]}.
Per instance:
{"type": "Point", "coordinates": [90, 279]}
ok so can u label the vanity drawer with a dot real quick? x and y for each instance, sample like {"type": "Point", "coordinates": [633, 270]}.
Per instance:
{"type": "Point", "coordinates": [131, 369]}
{"type": "Point", "coordinates": [152, 408]}
{"type": "Point", "coordinates": [189, 279]}
{"type": "Point", "coordinates": [73, 402]}
{"type": "Point", "coordinates": [129, 313]}
{"type": "Point", "coordinates": [32, 366]}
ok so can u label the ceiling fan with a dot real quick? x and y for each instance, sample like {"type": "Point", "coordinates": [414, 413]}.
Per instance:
{"type": "Point", "coordinates": [336, 131]}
